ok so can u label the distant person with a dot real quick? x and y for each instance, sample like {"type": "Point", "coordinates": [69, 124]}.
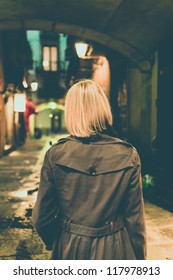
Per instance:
{"type": "Point", "coordinates": [30, 109]}
{"type": "Point", "coordinates": [90, 203]}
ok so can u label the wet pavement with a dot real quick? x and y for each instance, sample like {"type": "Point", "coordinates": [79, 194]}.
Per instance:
{"type": "Point", "coordinates": [19, 180]}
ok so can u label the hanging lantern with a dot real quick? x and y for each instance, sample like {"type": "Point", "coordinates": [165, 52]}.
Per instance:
{"type": "Point", "coordinates": [81, 49]}
{"type": "Point", "coordinates": [25, 84]}
{"type": "Point", "coordinates": [19, 102]}
{"type": "Point", "coordinates": [34, 86]}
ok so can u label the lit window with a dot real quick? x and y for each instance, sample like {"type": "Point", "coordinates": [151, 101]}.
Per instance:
{"type": "Point", "coordinates": [50, 57]}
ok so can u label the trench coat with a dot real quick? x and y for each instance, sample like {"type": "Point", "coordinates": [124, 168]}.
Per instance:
{"type": "Point", "coordinates": [89, 203]}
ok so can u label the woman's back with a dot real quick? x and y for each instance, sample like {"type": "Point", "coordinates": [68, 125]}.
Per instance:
{"type": "Point", "coordinates": [91, 177]}
{"type": "Point", "coordinates": [93, 182]}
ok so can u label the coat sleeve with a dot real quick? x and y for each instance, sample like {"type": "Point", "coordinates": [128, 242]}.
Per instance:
{"type": "Point", "coordinates": [134, 212]}
{"type": "Point", "coordinates": [46, 208]}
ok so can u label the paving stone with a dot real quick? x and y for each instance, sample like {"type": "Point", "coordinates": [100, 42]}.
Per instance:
{"type": "Point", "coordinates": [159, 224]}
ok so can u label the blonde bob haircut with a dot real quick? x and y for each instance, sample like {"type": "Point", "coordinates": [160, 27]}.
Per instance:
{"type": "Point", "coordinates": [87, 110]}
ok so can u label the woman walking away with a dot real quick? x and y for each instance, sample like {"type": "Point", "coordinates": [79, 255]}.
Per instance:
{"type": "Point", "coordinates": [90, 203]}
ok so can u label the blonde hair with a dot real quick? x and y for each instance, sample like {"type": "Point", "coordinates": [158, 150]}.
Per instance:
{"type": "Point", "coordinates": [87, 109]}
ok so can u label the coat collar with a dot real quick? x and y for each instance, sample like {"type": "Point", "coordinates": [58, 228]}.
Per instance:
{"type": "Point", "coordinates": [98, 139]}
{"type": "Point", "coordinates": [94, 157]}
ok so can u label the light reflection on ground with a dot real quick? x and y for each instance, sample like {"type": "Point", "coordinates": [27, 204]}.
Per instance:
{"type": "Point", "coordinates": [20, 193]}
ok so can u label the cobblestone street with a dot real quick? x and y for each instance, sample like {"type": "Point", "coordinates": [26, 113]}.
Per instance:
{"type": "Point", "coordinates": [19, 179]}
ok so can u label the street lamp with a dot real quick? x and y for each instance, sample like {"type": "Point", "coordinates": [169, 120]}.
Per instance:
{"type": "Point", "coordinates": [34, 86]}
{"type": "Point", "coordinates": [84, 51]}
{"type": "Point", "coordinates": [25, 84]}
{"type": "Point", "coordinates": [81, 49]}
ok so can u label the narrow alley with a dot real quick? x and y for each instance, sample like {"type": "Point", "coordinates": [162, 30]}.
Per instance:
{"type": "Point", "coordinates": [19, 179]}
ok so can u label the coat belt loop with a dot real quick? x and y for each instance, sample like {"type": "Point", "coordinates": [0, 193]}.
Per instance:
{"type": "Point", "coordinates": [110, 228]}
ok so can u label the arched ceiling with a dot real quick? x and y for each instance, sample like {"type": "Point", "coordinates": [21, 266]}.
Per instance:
{"type": "Point", "coordinates": [132, 27]}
